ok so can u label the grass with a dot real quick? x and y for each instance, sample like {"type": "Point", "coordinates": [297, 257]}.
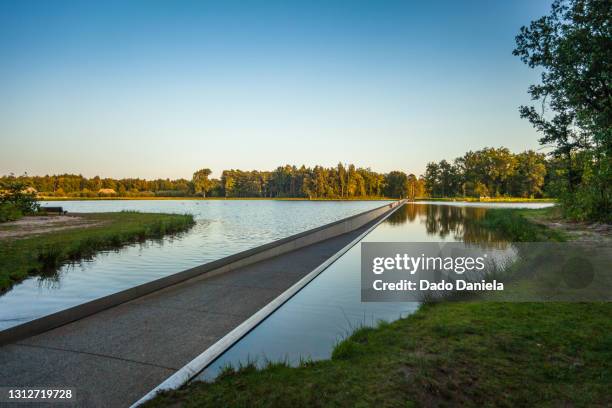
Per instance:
{"type": "Point", "coordinates": [445, 354]}
{"type": "Point", "coordinates": [448, 354]}
{"type": "Point", "coordinates": [43, 254]}
{"type": "Point", "coordinates": [490, 199]}
{"type": "Point", "coordinates": [521, 226]}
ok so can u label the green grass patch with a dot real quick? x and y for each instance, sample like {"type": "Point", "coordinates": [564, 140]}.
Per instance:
{"type": "Point", "coordinates": [42, 254]}
{"type": "Point", "coordinates": [489, 199]}
{"type": "Point", "coordinates": [445, 354]}
{"type": "Point", "coordinates": [518, 225]}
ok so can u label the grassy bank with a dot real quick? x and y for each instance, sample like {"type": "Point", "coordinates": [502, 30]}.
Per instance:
{"type": "Point", "coordinates": [522, 225]}
{"type": "Point", "coordinates": [490, 199]}
{"type": "Point", "coordinates": [40, 254]}
{"type": "Point", "coordinates": [446, 354]}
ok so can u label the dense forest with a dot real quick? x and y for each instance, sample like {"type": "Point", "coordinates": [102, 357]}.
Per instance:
{"type": "Point", "coordinates": [490, 172]}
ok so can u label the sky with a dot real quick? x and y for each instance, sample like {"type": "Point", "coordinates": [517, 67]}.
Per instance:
{"type": "Point", "coordinates": [158, 89]}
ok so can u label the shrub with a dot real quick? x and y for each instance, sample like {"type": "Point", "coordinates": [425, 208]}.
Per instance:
{"type": "Point", "coordinates": [9, 212]}
{"type": "Point", "coordinates": [14, 193]}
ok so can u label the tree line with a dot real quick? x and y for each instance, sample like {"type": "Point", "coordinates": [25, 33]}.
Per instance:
{"type": "Point", "coordinates": [340, 182]}
{"type": "Point", "coordinates": [76, 185]}
{"type": "Point", "coordinates": [489, 172]}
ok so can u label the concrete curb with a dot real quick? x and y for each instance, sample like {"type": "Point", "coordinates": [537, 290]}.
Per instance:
{"type": "Point", "coordinates": [213, 268]}
{"type": "Point", "coordinates": [195, 366]}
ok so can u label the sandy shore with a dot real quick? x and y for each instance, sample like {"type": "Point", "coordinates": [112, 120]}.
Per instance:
{"type": "Point", "coordinates": [29, 226]}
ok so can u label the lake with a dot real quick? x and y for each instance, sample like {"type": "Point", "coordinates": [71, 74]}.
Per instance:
{"type": "Point", "coordinates": [223, 227]}
{"type": "Point", "coordinates": [329, 308]}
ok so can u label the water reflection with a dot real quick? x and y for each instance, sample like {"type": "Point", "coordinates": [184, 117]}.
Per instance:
{"type": "Point", "coordinates": [222, 228]}
{"type": "Point", "coordinates": [310, 324]}
{"type": "Point", "coordinates": [445, 221]}
{"type": "Point", "coordinates": [51, 278]}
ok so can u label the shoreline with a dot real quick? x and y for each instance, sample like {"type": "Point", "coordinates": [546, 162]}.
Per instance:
{"type": "Point", "coordinates": [46, 243]}
{"type": "Point", "coordinates": [418, 199]}
{"type": "Point", "coordinates": [209, 199]}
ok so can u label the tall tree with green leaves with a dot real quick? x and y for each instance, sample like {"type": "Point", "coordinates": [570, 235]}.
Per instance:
{"type": "Point", "coordinates": [572, 46]}
{"type": "Point", "coordinates": [201, 183]}
{"type": "Point", "coordinates": [397, 184]}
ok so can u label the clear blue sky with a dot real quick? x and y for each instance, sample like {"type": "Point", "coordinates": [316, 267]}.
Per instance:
{"type": "Point", "coordinates": [161, 88]}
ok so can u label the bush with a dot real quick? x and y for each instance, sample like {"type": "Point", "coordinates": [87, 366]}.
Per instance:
{"type": "Point", "coordinates": [8, 212]}
{"type": "Point", "coordinates": [14, 193]}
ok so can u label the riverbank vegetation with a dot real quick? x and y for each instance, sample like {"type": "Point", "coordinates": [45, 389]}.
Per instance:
{"type": "Point", "coordinates": [487, 199]}
{"type": "Point", "coordinates": [42, 254]}
{"type": "Point", "coordinates": [519, 226]}
{"type": "Point", "coordinates": [445, 354]}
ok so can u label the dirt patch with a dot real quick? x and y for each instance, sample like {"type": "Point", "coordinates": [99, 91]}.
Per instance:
{"type": "Point", "coordinates": [30, 226]}
{"type": "Point", "coordinates": [582, 232]}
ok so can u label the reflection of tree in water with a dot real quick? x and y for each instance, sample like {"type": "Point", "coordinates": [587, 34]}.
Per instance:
{"type": "Point", "coordinates": [443, 220]}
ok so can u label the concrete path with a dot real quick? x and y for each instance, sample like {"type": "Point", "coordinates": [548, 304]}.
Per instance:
{"type": "Point", "coordinates": [116, 356]}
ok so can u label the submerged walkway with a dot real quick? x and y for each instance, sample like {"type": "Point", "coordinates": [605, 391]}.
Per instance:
{"type": "Point", "coordinates": [116, 356]}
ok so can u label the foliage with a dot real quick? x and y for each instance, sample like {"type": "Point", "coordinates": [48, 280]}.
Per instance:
{"type": "Point", "coordinates": [200, 182]}
{"type": "Point", "coordinates": [42, 254]}
{"type": "Point", "coordinates": [573, 48]}
{"type": "Point", "coordinates": [16, 199]}
{"type": "Point", "coordinates": [73, 185]}
{"type": "Point", "coordinates": [489, 172]}
{"type": "Point", "coordinates": [339, 182]}
{"type": "Point", "coordinates": [9, 212]}
{"type": "Point", "coordinates": [318, 182]}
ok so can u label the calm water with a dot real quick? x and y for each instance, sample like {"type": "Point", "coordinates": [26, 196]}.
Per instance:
{"type": "Point", "coordinates": [329, 308]}
{"type": "Point", "coordinates": [223, 228]}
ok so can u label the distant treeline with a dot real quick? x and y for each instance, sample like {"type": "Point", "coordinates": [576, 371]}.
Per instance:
{"type": "Point", "coordinates": [346, 182]}
{"type": "Point", "coordinates": [318, 182]}
{"type": "Point", "coordinates": [490, 172]}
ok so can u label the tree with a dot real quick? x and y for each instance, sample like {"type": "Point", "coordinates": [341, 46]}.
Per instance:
{"type": "Point", "coordinates": [431, 179]}
{"type": "Point", "coordinates": [15, 193]}
{"type": "Point", "coordinates": [448, 179]}
{"type": "Point", "coordinates": [201, 183]}
{"type": "Point", "coordinates": [412, 187]}
{"type": "Point", "coordinates": [573, 48]}
{"type": "Point", "coordinates": [397, 184]}
{"type": "Point", "coordinates": [529, 175]}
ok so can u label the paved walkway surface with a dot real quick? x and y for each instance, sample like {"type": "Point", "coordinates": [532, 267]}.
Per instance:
{"type": "Point", "coordinates": [116, 356]}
